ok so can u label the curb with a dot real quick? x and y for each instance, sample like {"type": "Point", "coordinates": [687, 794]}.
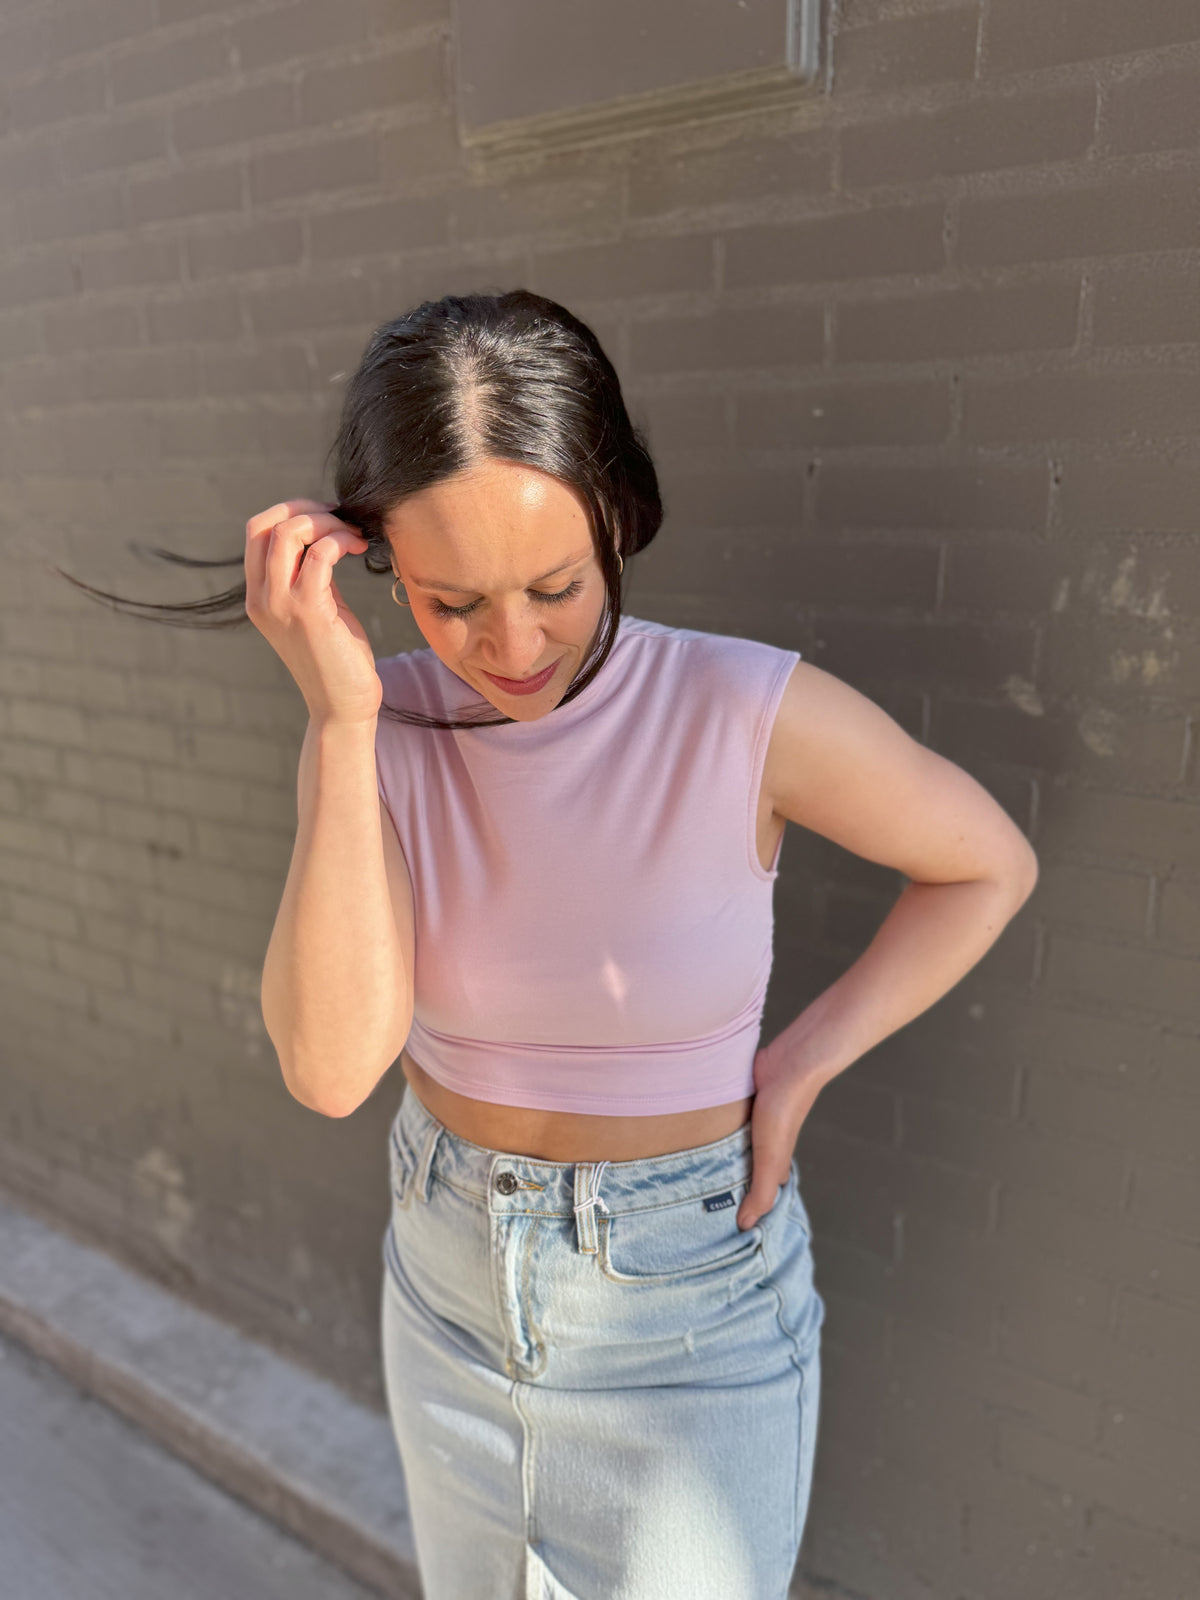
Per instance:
{"type": "Point", "coordinates": [276, 1436]}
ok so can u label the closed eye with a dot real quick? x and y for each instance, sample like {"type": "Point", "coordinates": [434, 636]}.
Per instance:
{"type": "Point", "coordinates": [550, 597]}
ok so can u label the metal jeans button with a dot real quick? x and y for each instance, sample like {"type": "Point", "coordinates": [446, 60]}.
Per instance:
{"type": "Point", "coordinates": [506, 1183]}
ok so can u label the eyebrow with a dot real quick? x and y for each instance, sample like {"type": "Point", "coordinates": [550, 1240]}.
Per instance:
{"type": "Point", "coordinates": [455, 588]}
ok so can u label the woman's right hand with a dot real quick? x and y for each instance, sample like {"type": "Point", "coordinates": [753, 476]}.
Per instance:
{"type": "Point", "coordinates": [292, 600]}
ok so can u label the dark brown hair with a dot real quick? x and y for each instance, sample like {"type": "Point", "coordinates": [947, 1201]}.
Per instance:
{"type": "Point", "coordinates": [512, 376]}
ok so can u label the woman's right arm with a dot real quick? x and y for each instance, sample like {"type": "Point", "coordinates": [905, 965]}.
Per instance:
{"type": "Point", "coordinates": [337, 979]}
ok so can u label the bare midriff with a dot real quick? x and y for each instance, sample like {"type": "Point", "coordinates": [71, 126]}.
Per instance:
{"type": "Point", "coordinates": [571, 1135]}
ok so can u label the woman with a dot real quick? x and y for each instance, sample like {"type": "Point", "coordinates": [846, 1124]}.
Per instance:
{"type": "Point", "coordinates": [535, 861]}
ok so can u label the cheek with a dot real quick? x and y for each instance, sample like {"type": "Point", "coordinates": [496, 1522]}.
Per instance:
{"type": "Point", "coordinates": [446, 638]}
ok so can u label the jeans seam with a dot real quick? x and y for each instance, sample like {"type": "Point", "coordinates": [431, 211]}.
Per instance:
{"type": "Point", "coordinates": [482, 1196]}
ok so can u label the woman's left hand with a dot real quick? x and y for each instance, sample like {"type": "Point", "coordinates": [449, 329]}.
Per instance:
{"type": "Point", "coordinates": [783, 1097]}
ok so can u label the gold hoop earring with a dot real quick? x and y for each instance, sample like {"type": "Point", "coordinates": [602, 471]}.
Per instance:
{"type": "Point", "coordinates": [620, 564]}
{"type": "Point", "coordinates": [399, 602]}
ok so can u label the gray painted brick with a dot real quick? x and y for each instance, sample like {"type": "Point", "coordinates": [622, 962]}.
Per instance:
{"type": "Point", "coordinates": [191, 193]}
{"type": "Point", "coordinates": [1142, 1558]}
{"type": "Point", "coordinates": [979, 136]}
{"type": "Point", "coordinates": [627, 268]}
{"type": "Point", "coordinates": [278, 368]}
{"type": "Point", "coordinates": [93, 967]}
{"type": "Point", "coordinates": [854, 413]}
{"type": "Point", "coordinates": [345, 163]}
{"type": "Point", "coordinates": [902, 52]}
{"type": "Point", "coordinates": [388, 228]}
{"type": "Point", "coordinates": [1081, 405]}
{"type": "Point", "coordinates": [419, 152]}
{"type": "Point", "coordinates": [977, 494]}
{"type": "Point", "coordinates": [122, 143]}
{"type": "Point", "coordinates": [1179, 913]}
{"type": "Point", "coordinates": [28, 164]}
{"type": "Point", "coordinates": [381, 81]}
{"type": "Point", "coordinates": [73, 92]}
{"type": "Point", "coordinates": [164, 65]}
{"type": "Point", "coordinates": [82, 27]}
{"type": "Point", "coordinates": [290, 32]}
{"type": "Point", "coordinates": [241, 115]}
{"type": "Point", "coordinates": [1121, 216]}
{"type": "Point", "coordinates": [960, 321]}
{"type": "Point", "coordinates": [1156, 982]}
{"type": "Point", "coordinates": [1118, 493]}
{"type": "Point", "coordinates": [26, 44]}
{"type": "Point", "coordinates": [303, 306]}
{"type": "Point", "coordinates": [877, 242]}
{"type": "Point", "coordinates": [148, 374]}
{"type": "Point", "coordinates": [87, 325]}
{"type": "Point", "coordinates": [771, 336]}
{"type": "Point", "coordinates": [1095, 898]}
{"type": "Point", "coordinates": [1157, 305]}
{"type": "Point", "coordinates": [540, 207]}
{"type": "Point", "coordinates": [681, 422]}
{"type": "Point", "coordinates": [117, 266]}
{"type": "Point", "coordinates": [212, 316]}
{"type": "Point", "coordinates": [41, 277]}
{"type": "Point", "coordinates": [1022, 35]}
{"type": "Point", "coordinates": [1121, 827]}
{"type": "Point", "coordinates": [1165, 1502]}
{"type": "Point", "coordinates": [59, 214]}
{"type": "Point", "coordinates": [1166, 1198]}
{"type": "Point", "coordinates": [667, 179]}
{"type": "Point", "coordinates": [200, 434]}
{"type": "Point", "coordinates": [48, 916]}
{"type": "Point", "coordinates": [260, 243]}
{"type": "Point", "coordinates": [1154, 111]}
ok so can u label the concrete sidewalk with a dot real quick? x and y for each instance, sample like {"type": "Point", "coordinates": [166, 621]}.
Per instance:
{"type": "Point", "coordinates": [91, 1509]}
{"type": "Point", "coordinates": [278, 1438]}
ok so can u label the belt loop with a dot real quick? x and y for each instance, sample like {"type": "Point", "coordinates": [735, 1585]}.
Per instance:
{"type": "Point", "coordinates": [425, 1165]}
{"type": "Point", "coordinates": [587, 1198]}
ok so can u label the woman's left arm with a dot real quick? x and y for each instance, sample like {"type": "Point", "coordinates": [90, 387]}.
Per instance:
{"type": "Point", "coordinates": [840, 766]}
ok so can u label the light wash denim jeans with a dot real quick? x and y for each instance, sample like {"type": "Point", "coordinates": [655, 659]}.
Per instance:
{"type": "Point", "coordinates": [601, 1389]}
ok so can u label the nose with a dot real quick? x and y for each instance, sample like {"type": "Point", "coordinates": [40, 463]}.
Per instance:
{"type": "Point", "coordinates": [512, 642]}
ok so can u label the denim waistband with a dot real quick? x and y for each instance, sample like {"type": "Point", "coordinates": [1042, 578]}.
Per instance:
{"type": "Point", "coordinates": [553, 1188]}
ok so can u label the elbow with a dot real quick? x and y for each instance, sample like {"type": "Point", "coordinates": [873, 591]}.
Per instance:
{"type": "Point", "coordinates": [325, 1099]}
{"type": "Point", "coordinates": [321, 1087]}
{"type": "Point", "coordinates": [1021, 875]}
{"type": "Point", "coordinates": [1030, 878]}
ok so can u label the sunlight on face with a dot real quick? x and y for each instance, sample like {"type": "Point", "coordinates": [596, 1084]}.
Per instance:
{"type": "Point", "coordinates": [505, 586]}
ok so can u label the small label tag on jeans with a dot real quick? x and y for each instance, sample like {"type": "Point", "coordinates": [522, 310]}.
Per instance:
{"type": "Point", "coordinates": [719, 1202]}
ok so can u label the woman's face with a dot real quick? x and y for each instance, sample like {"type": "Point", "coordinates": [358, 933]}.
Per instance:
{"type": "Point", "coordinates": [500, 569]}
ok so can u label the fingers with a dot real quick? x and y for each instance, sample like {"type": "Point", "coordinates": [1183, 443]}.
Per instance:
{"type": "Point", "coordinates": [278, 551]}
{"type": "Point", "coordinates": [770, 1173]}
{"type": "Point", "coordinates": [258, 535]}
{"type": "Point", "coordinates": [316, 571]}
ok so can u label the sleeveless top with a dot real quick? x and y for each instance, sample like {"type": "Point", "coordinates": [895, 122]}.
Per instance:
{"type": "Point", "coordinates": [593, 924]}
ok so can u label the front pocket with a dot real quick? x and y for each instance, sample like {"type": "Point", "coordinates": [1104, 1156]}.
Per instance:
{"type": "Point", "coordinates": [673, 1243]}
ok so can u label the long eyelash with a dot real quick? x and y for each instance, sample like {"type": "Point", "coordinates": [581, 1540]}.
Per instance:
{"type": "Point", "coordinates": [441, 610]}
{"type": "Point", "coordinates": [556, 597]}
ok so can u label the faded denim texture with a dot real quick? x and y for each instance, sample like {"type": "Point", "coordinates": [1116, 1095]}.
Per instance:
{"type": "Point", "coordinates": [601, 1389]}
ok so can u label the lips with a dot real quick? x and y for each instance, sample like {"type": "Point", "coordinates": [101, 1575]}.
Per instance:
{"type": "Point", "coordinates": [524, 685]}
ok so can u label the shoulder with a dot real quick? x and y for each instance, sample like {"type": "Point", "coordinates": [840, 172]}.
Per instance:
{"type": "Point", "coordinates": [709, 660]}
{"type": "Point", "coordinates": [839, 765]}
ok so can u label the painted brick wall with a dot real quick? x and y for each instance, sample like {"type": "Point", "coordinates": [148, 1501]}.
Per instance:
{"type": "Point", "coordinates": [920, 362]}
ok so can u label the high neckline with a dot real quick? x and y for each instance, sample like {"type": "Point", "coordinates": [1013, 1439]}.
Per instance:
{"type": "Point", "coordinates": [461, 698]}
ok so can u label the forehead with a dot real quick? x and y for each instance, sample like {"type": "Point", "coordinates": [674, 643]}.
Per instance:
{"type": "Point", "coordinates": [494, 523]}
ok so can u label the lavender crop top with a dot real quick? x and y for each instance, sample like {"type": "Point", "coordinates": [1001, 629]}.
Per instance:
{"type": "Point", "coordinates": [593, 924]}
